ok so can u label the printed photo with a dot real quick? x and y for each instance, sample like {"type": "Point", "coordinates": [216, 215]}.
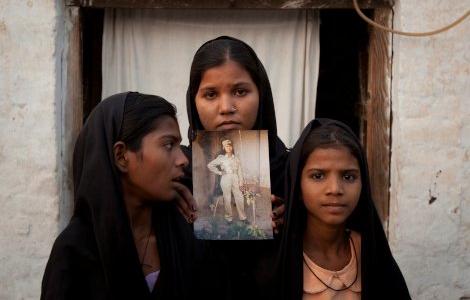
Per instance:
{"type": "Point", "coordinates": [231, 185]}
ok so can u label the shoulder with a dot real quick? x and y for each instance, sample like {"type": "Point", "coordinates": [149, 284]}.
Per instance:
{"type": "Point", "coordinates": [73, 258]}
{"type": "Point", "coordinates": [74, 243]}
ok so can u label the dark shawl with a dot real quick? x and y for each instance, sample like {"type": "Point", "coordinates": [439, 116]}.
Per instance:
{"type": "Point", "coordinates": [381, 277]}
{"type": "Point", "coordinates": [95, 256]}
{"type": "Point", "coordinates": [248, 262]}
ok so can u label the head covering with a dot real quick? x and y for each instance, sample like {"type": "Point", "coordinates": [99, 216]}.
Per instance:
{"type": "Point", "coordinates": [380, 273]}
{"type": "Point", "coordinates": [98, 243]}
{"type": "Point", "coordinates": [226, 143]}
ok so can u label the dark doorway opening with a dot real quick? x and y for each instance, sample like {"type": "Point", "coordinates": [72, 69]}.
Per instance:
{"type": "Point", "coordinates": [344, 40]}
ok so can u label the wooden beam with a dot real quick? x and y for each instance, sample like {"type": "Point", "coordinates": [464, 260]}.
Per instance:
{"type": "Point", "coordinates": [253, 4]}
{"type": "Point", "coordinates": [378, 115]}
{"type": "Point", "coordinates": [72, 113]}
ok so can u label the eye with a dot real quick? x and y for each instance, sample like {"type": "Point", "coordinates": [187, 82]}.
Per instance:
{"type": "Point", "coordinates": [169, 145]}
{"type": "Point", "coordinates": [349, 177]}
{"type": "Point", "coordinates": [317, 175]}
{"type": "Point", "coordinates": [240, 92]}
{"type": "Point", "coordinates": [210, 94]}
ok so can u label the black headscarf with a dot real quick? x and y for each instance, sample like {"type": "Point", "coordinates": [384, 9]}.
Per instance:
{"type": "Point", "coordinates": [381, 277]}
{"type": "Point", "coordinates": [95, 256]}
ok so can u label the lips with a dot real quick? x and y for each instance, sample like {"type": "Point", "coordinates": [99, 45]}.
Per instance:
{"type": "Point", "coordinates": [228, 125]}
{"type": "Point", "coordinates": [334, 208]}
{"type": "Point", "coordinates": [177, 178]}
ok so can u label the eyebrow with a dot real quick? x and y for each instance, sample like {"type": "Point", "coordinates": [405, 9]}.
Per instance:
{"type": "Point", "coordinates": [172, 137]}
{"type": "Point", "coordinates": [242, 83]}
{"type": "Point", "coordinates": [210, 86]}
{"type": "Point", "coordinates": [343, 170]}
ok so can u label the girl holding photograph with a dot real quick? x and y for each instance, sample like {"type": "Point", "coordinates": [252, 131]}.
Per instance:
{"type": "Point", "coordinates": [333, 245]}
{"type": "Point", "coordinates": [228, 90]}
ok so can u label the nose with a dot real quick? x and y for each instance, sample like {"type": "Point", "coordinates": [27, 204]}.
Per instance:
{"type": "Point", "coordinates": [181, 159]}
{"type": "Point", "coordinates": [226, 104]}
{"type": "Point", "coordinates": [334, 186]}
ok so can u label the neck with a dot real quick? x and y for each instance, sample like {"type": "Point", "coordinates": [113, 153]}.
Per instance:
{"type": "Point", "coordinates": [140, 214]}
{"type": "Point", "coordinates": [228, 154]}
{"type": "Point", "coordinates": [324, 238]}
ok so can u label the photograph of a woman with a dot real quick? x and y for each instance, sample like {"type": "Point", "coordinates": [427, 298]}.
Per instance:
{"type": "Point", "coordinates": [231, 184]}
{"type": "Point", "coordinates": [228, 166]}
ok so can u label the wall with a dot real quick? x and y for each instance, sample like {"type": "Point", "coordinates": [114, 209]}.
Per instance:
{"type": "Point", "coordinates": [430, 188]}
{"type": "Point", "coordinates": [30, 64]}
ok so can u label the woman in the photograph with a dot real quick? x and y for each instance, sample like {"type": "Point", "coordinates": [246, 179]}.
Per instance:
{"type": "Point", "coordinates": [229, 168]}
{"type": "Point", "coordinates": [333, 245]}
{"type": "Point", "coordinates": [126, 239]}
{"type": "Point", "coordinates": [229, 89]}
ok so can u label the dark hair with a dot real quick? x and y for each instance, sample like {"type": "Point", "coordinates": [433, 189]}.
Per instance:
{"type": "Point", "coordinates": [215, 53]}
{"type": "Point", "coordinates": [141, 116]}
{"type": "Point", "coordinates": [328, 136]}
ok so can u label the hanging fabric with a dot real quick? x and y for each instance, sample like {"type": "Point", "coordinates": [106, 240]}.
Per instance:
{"type": "Point", "coordinates": [150, 51]}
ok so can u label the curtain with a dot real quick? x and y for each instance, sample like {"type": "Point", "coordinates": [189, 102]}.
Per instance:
{"type": "Point", "coordinates": [150, 51]}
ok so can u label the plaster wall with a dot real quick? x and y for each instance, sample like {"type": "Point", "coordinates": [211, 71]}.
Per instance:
{"type": "Point", "coordinates": [429, 226]}
{"type": "Point", "coordinates": [29, 135]}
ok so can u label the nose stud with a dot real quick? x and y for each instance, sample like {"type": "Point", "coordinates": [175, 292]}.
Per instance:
{"type": "Point", "coordinates": [234, 109]}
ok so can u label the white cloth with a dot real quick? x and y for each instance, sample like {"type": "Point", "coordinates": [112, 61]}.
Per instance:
{"type": "Point", "coordinates": [150, 51]}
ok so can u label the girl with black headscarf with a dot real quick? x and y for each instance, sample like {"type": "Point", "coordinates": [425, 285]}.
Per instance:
{"type": "Point", "coordinates": [229, 89]}
{"type": "Point", "coordinates": [333, 244]}
{"type": "Point", "coordinates": [126, 240]}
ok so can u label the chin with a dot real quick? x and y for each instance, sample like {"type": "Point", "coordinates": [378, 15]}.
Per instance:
{"type": "Point", "coordinates": [335, 220]}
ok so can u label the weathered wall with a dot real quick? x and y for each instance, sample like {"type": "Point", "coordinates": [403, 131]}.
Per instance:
{"type": "Point", "coordinates": [29, 135]}
{"type": "Point", "coordinates": [430, 190]}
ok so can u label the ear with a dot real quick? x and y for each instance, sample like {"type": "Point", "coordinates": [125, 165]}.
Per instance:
{"type": "Point", "coordinates": [120, 156]}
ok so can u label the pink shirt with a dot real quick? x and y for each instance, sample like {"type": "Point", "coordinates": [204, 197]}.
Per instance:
{"type": "Point", "coordinates": [314, 289]}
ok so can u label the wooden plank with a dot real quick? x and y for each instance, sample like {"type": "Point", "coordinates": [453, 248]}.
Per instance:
{"type": "Point", "coordinates": [72, 114]}
{"type": "Point", "coordinates": [378, 114]}
{"type": "Point", "coordinates": [253, 4]}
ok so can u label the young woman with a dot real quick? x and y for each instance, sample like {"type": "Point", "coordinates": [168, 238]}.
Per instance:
{"type": "Point", "coordinates": [126, 240]}
{"type": "Point", "coordinates": [228, 166]}
{"type": "Point", "coordinates": [333, 245]}
{"type": "Point", "coordinates": [229, 89]}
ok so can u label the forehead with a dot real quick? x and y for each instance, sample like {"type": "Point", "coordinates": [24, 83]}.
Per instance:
{"type": "Point", "coordinates": [228, 71]}
{"type": "Point", "coordinates": [332, 157]}
{"type": "Point", "coordinates": [165, 126]}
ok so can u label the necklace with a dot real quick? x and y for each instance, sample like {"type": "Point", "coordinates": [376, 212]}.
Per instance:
{"type": "Point", "coordinates": [142, 261]}
{"type": "Point", "coordinates": [344, 288]}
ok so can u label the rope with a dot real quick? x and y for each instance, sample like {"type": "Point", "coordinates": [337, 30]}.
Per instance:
{"type": "Point", "coordinates": [414, 34]}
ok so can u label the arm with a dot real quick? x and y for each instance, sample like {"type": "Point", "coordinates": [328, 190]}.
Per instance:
{"type": "Point", "coordinates": [213, 166]}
